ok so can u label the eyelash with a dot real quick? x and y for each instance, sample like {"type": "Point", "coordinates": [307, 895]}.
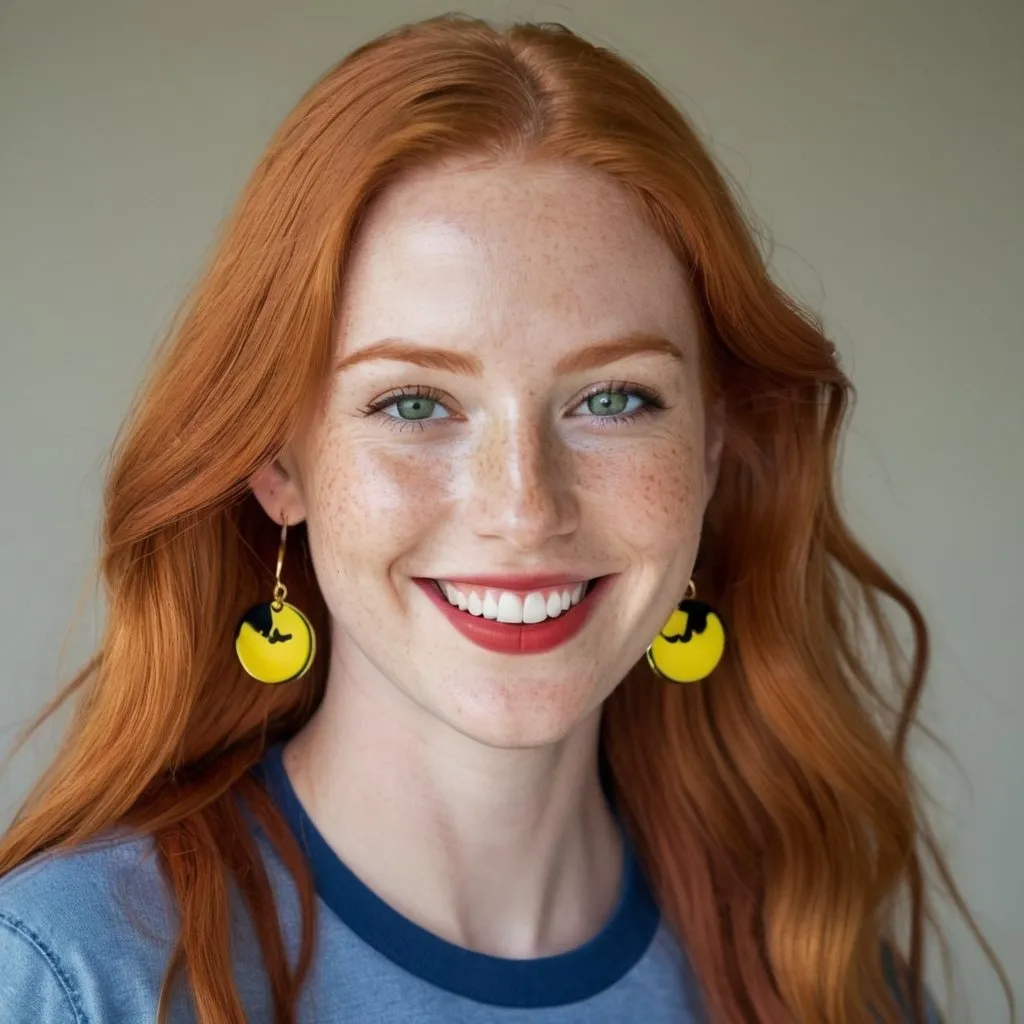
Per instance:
{"type": "Point", "coordinates": [653, 403]}
{"type": "Point", "coordinates": [378, 405]}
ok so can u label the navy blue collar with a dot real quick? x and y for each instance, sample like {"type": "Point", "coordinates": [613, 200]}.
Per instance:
{"type": "Point", "coordinates": [547, 981]}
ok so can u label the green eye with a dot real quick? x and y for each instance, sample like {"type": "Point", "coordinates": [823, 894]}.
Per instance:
{"type": "Point", "coordinates": [415, 408]}
{"type": "Point", "coordinates": [612, 403]}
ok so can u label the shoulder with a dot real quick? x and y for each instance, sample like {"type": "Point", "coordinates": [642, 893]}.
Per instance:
{"type": "Point", "coordinates": [90, 893]}
{"type": "Point", "coordinates": [86, 936]}
{"type": "Point", "coordinates": [86, 931]}
{"type": "Point", "coordinates": [115, 861]}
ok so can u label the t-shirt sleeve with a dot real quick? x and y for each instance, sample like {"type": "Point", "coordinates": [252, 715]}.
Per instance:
{"type": "Point", "coordinates": [34, 986]}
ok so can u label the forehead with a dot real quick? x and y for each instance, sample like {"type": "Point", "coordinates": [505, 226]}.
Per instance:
{"type": "Point", "coordinates": [515, 247]}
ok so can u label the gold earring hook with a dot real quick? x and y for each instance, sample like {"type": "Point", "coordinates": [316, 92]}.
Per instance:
{"type": "Point", "coordinates": [280, 590]}
{"type": "Point", "coordinates": [691, 591]}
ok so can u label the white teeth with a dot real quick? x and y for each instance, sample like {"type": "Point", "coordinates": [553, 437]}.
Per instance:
{"type": "Point", "coordinates": [510, 608]}
{"type": "Point", "coordinates": [455, 596]}
{"type": "Point", "coordinates": [506, 606]}
{"type": "Point", "coordinates": [535, 608]}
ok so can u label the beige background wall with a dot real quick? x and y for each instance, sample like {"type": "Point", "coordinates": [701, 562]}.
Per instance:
{"type": "Point", "coordinates": [881, 142]}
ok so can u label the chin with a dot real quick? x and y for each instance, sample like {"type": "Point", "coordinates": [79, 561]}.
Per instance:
{"type": "Point", "coordinates": [517, 716]}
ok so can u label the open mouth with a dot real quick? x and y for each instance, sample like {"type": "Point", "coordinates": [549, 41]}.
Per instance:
{"type": "Point", "coordinates": [517, 621]}
{"type": "Point", "coordinates": [515, 607]}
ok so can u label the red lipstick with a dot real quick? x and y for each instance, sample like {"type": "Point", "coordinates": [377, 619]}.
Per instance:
{"type": "Point", "coordinates": [518, 638]}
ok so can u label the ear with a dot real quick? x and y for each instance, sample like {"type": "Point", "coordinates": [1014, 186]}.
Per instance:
{"type": "Point", "coordinates": [714, 441]}
{"type": "Point", "coordinates": [278, 488]}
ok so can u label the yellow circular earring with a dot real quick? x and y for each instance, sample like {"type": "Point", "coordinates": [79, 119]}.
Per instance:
{"type": "Point", "coordinates": [274, 641]}
{"type": "Point", "coordinates": [691, 644]}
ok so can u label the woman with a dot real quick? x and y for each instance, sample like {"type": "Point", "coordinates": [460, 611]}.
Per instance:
{"type": "Point", "coordinates": [485, 642]}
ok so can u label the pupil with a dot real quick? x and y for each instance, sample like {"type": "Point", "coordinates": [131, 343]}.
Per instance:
{"type": "Point", "coordinates": [608, 403]}
{"type": "Point", "coordinates": [415, 408]}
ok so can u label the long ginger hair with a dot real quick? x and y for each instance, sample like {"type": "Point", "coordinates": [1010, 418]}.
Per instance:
{"type": "Point", "coordinates": [772, 805]}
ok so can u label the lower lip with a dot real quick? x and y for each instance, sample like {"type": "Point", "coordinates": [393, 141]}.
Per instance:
{"type": "Point", "coordinates": [513, 637]}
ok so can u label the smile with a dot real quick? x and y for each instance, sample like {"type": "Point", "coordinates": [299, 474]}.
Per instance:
{"type": "Point", "coordinates": [511, 606]}
{"type": "Point", "coordinates": [516, 621]}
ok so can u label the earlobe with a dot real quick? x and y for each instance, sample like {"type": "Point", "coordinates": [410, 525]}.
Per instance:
{"type": "Point", "coordinates": [277, 488]}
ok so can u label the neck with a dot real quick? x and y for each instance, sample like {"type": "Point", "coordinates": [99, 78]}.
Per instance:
{"type": "Point", "coordinates": [512, 853]}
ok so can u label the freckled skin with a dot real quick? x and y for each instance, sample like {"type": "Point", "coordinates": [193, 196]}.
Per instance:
{"type": "Point", "coordinates": [519, 266]}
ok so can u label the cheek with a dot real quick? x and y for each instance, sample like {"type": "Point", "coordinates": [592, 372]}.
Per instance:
{"type": "Point", "coordinates": [649, 495]}
{"type": "Point", "coordinates": [370, 504]}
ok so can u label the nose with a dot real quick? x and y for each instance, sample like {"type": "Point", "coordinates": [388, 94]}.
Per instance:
{"type": "Point", "coordinates": [522, 484]}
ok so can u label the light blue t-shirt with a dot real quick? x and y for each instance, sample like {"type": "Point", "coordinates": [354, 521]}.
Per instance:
{"type": "Point", "coordinates": [85, 936]}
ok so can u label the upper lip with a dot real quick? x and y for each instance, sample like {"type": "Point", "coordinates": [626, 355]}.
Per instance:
{"type": "Point", "coordinates": [519, 581]}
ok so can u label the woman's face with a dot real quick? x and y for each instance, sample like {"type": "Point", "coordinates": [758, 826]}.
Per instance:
{"type": "Point", "coordinates": [516, 413]}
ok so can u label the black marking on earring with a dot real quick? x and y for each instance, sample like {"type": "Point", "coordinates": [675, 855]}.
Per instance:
{"type": "Point", "coordinates": [696, 622]}
{"type": "Point", "coordinates": [261, 619]}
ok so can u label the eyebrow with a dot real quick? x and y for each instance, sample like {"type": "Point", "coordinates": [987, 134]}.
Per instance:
{"type": "Point", "coordinates": [589, 358]}
{"type": "Point", "coordinates": [593, 356]}
{"type": "Point", "coordinates": [401, 351]}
